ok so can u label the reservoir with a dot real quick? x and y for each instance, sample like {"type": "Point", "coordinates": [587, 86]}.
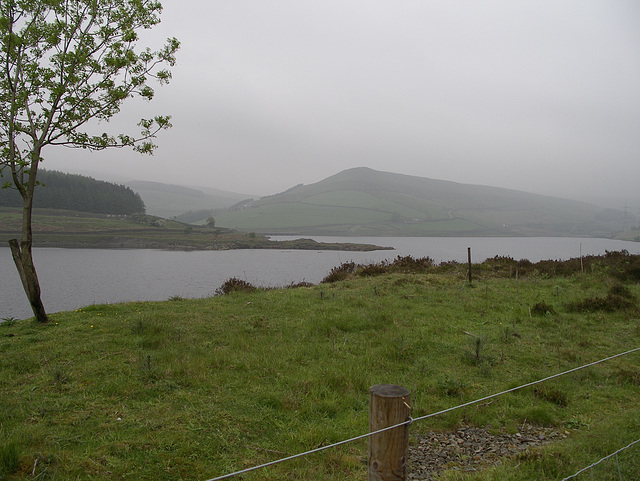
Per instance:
{"type": "Point", "coordinates": [73, 278]}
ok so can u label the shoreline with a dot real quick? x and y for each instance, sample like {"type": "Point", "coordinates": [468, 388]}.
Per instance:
{"type": "Point", "coordinates": [252, 243]}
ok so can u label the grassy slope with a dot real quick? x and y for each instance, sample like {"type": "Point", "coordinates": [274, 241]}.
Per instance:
{"type": "Point", "coordinates": [364, 201]}
{"type": "Point", "coordinates": [193, 389]}
{"type": "Point", "coordinates": [69, 228]}
{"type": "Point", "coordinates": [59, 228]}
{"type": "Point", "coordinates": [632, 235]}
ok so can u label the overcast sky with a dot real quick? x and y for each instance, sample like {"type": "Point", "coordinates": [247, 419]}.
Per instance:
{"type": "Point", "coordinates": [541, 96]}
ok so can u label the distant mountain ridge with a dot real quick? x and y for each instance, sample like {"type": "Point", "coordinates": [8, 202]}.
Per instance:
{"type": "Point", "coordinates": [363, 201]}
{"type": "Point", "coordinates": [169, 200]}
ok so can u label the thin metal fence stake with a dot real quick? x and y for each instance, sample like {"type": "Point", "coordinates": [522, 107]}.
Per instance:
{"type": "Point", "coordinates": [591, 466]}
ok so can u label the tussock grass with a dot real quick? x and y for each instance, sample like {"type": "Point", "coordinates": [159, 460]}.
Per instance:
{"type": "Point", "coordinates": [198, 388]}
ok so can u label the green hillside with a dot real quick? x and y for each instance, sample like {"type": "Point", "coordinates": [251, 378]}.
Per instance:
{"type": "Point", "coordinates": [72, 229]}
{"type": "Point", "coordinates": [363, 201]}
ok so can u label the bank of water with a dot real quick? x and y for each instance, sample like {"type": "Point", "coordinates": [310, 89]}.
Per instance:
{"type": "Point", "coordinates": [73, 278]}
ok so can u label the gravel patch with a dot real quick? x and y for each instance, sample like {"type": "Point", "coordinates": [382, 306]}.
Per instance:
{"type": "Point", "coordinates": [472, 448]}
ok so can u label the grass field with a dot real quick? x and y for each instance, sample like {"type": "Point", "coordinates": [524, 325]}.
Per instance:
{"type": "Point", "coordinates": [192, 389]}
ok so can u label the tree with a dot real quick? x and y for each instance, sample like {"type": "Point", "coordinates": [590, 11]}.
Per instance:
{"type": "Point", "coordinates": [65, 66]}
{"type": "Point", "coordinates": [211, 222]}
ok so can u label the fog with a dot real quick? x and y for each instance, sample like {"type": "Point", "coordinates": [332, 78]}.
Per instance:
{"type": "Point", "coordinates": [536, 96]}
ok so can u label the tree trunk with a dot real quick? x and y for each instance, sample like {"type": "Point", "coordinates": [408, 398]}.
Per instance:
{"type": "Point", "coordinates": [24, 264]}
{"type": "Point", "coordinates": [21, 252]}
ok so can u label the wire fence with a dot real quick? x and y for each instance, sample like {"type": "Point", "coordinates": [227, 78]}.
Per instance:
{"type": "Point", "coordinates": [427, 416]}
{"type": "Point", "coordinates": [591, 466]}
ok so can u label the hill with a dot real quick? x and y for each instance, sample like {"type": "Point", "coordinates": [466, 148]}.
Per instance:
{"type": "Point", "coordinates": [363, 201]}
{"type": "Point", "coordinates": [169, 201]}
{"type": "Point", "coordinates": [79, 193]}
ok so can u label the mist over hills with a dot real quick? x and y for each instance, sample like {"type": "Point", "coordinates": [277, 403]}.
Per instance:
{"type": "Point", "coordinates": [363, 201]}
{"type": "Point", "coordinates": [169, 200]}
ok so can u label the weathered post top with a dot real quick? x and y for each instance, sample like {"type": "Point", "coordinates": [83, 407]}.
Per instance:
{"type": "Point", "coordinates": [389, 390]}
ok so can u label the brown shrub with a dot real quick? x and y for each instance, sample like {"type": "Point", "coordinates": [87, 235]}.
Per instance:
{"type": "Point", "coordinates": [235, 285]}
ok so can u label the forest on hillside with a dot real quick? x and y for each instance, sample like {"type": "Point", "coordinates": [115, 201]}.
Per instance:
{"type": "Point", "coordinates": [76, 192]}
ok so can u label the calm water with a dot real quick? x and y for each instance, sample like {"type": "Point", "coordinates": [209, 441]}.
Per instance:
{"type": "Point", "coordinates": [72, 278]}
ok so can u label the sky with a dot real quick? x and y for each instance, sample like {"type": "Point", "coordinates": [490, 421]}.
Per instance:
{"type": "Point", "coordinates": [541, 96]}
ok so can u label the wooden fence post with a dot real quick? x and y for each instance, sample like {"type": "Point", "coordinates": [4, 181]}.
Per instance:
{"type": "Point", "coordinates": [469, 258]}
{"type": "Point", "coordinates": [388, 405]}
